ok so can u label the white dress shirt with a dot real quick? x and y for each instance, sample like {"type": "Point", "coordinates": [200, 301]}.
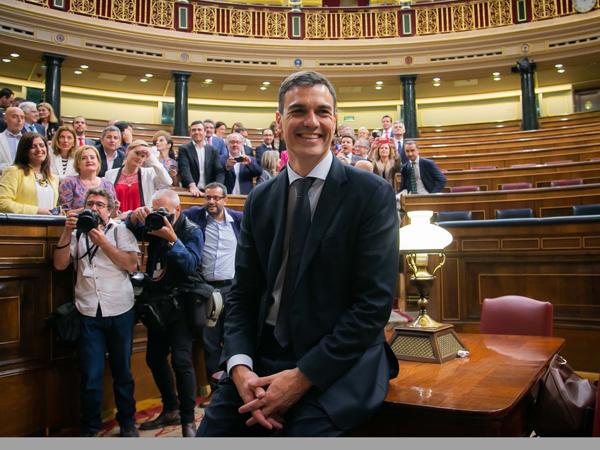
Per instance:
{"type": "Point", "coordinates": [220, 243]}
{"type": "Point", "coordinates": [200, 152]}
{"type": "Point", "coordinates": [100, 281]}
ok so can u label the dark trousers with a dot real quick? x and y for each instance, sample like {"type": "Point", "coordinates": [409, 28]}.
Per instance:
{"type": "Point", "coordinates": [306, 418]}
{"type": "Point", "coordinates": [100, 335]}
{"type": "Point", "coordinates": [212, 338]}
{"type": "Point", "coordinates": [177, 340]}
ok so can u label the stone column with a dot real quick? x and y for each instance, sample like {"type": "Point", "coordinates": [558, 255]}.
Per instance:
{"type": "Point", "coordinates": [180, 125]}
{"type": "Point", "coordinates": [52, 91]}
{"type": "Point", "coordinates": [527, 69]}
{"type": "Point", "coordinates": [410, 105]}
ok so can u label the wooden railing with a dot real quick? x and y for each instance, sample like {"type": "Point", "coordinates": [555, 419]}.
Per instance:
{"type": "Point", "coordinates": [241, 20]}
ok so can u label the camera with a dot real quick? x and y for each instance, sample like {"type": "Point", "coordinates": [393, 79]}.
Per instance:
{"type": "Point", "coordinates": [239, 159]}
{"type": "Point", "coordinates": [375, 134]}
{"type": "Point", "coordinates": [138, 280]}
{"type": "Point", "coordinates": [154, 220]}
{"type": "Point", "coordinates": [88, 220]}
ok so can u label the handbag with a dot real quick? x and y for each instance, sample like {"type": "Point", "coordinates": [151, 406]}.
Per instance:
{"type": "Point", "coordinates": [65, 322]}
{"type": "Point", "coordinates": [565, 402]}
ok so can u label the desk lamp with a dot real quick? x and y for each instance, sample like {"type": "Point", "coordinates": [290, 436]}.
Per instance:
{"type": "Point", "coordinates": [424, 339]}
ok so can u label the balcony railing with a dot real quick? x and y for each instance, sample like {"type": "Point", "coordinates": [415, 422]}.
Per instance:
{"type": "Point", "coordinates": [228, 19]}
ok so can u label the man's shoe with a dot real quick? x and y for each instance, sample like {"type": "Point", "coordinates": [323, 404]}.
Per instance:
{"type": "Point", "coordinates": [90, 434]}
{"type": "Point", "coordinates": [188, 430]}
{"type": "Point", "coordinates": [164, 419]}
{"type": "Point", "coordinates": [130, 431]}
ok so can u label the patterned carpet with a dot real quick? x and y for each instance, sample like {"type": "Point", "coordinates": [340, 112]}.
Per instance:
{"type": "Point", "coordinates": [148, 410]}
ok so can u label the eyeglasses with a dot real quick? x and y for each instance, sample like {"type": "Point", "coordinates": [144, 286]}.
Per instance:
{"type": "Point", "coordinates": [99, 205]}
{"type": "Point", "coordinates": [216, 198]}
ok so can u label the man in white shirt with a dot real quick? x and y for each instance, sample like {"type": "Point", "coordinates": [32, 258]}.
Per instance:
{"type": "Point", "coordinates": [239, 168]}
{"type": "Point", "coordinates": [103, 256]}
{"type": "Point", "coordinates": [9, 138]}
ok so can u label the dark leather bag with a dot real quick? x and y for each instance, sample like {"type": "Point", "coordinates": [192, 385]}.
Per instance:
{"type": "Point", "coordinates": [565, 402]}
{"type": "Point", "coordinates": [65, 322]}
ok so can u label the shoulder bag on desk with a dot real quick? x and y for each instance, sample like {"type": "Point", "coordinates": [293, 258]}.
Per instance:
{"type": "Point", "coordinates": [565, 402]}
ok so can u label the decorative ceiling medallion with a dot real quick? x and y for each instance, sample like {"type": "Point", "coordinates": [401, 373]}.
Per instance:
{"type": "Point", "coordinates": [184, 57]}
{"type": "Point", "coordinates": [408, 60]}
{"type": "Point", "coordinates": [60, 38]}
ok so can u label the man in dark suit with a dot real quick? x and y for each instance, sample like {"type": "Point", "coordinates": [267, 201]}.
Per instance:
{"type": "Point", "coordinates": [212, 139]}
{"type": "Point", "coordinates": [267, 144]}
{"type": "Point", "coordinates": [109, 147]}
{"type": "Point", "coordinates": [316, 268]}
{"type": "Point", "coordinates": [31, 117]}
{"type": "Point", "coordinates": [199, 164]}
{"type": "Point", "coordinates": [420, 175]}
{"type": "Point", "coordinates": [239, 168]}
{"type": "Point", "coordinates": [80, 127]}
{"type": "Point", "coordinates": [398, 131]}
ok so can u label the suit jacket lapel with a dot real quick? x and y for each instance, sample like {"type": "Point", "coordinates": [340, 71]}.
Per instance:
{"type": "Point", "coordinates": [331, 195]}
{"type": "Point", "coordinates": [279, 212]}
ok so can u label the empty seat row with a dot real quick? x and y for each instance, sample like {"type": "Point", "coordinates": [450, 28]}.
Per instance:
{"type": "Point", "coordinates": [519, 185]}
{"type": "Point", "coordinates": [515, 213]}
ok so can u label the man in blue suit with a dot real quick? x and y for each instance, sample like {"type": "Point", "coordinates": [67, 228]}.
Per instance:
{"type": "Point", "coordinates": [212, 139]}
{"type": "Point", "coordinates": [31, 117]}
{"type": "Point", "coordinates": [420, 175]}
{"type": "Point", "coordinates": [239, 167]}
{"type": "Point", "coordinates": [316, 269]}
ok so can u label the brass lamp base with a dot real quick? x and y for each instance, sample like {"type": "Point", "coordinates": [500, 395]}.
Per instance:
{"type": "Point", "coordinates": [435, 345]}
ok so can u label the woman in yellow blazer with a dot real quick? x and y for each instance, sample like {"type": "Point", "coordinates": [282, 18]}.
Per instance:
{"type": "Point", "coordinates": [28, 186]}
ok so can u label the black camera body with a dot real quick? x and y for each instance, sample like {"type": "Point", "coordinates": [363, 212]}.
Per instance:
{"type": "Point", "coordinates": [154, 220]}
{"type": "Point", "coordinates": [88, 220]}
{"type": "Point", "coordinates": [239, 159]}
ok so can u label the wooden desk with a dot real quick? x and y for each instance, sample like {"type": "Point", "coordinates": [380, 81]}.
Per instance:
{"type": "Point", "coordinates": [485, 394]}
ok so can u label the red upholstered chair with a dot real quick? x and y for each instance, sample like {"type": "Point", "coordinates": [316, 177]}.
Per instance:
{"type": "Point", "coordinates": [514, 314]}
{"type": "Point", "coordinates": [469, 188]}
{"type": "Point", "coordinates": [511, 186]}
{"type": "Point", "coordinates": [566, 182]}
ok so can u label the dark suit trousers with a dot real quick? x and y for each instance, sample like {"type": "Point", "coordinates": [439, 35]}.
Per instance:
{"type": "Point", "coordinates": [306, 418]}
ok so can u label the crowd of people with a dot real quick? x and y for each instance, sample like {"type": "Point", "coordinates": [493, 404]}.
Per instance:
{"type": "Point", "coordinates": [123, 184]}
{"type": "Point", "coordinates": [214, 153]}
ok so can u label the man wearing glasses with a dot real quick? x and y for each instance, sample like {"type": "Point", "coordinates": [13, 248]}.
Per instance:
{"type": "Point", "coordinates": [221, 228]}
{"type": "Point", "coordinates": [103, 258]}
{"type": "Point", "coordinates": [239, 167]}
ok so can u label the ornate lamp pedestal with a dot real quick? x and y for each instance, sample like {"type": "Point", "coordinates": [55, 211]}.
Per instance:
{"type": "Point", "coordinates": [424, 339]}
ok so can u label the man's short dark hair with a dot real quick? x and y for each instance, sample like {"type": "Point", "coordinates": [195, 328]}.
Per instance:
{"type": "Point", "coordinates": [239, 129]}
{"type": "Point", "coordinates": [410, 141]}
{"type": "Point", "coordinates": [349, 136]}
{"type": "Point", "coordinates": [110, 200]}
{"type": "Point", "coordinates": [304, 78]}
{"type": "Point", "coordinates": [208, 121]}
{"type": "Point", "coordinates": [216, 185]}
{"type": "Point", "coordinates": [196, 122]}
{"type": "Point", "coordinates": [388, 116]}
{"type": "Point", "coordinates": [6, 92]}
{"type": "Point", "coordinates": [122, 125]}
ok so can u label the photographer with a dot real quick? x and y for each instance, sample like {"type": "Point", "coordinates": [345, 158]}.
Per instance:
{"type": "Point", "coordinates": [239, 168]}
{"type": "Point", "coordinates": [174, 252]}
{"type": "Point", "coordinates": [103, 253]}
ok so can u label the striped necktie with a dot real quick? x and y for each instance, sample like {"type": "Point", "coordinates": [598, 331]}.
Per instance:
{"type": "Point", "coordinates": [413, 177]}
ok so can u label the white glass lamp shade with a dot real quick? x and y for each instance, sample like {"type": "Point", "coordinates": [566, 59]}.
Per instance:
{"type": "Point", "coordinates": [421, 236]}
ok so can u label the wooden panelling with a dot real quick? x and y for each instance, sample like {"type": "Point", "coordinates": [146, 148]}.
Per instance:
{"type": "Point", "coordinates": [10, 320]}
{"type": "Point", "coordinates": [20, 251]}
{"type": "Point", "coordinates": [558, 271]}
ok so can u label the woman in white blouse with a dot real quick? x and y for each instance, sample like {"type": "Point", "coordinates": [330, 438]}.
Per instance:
{"type": "Point", "coordinates": [135, 184]}
{"type": "Point", "coordinates": [64, 144]}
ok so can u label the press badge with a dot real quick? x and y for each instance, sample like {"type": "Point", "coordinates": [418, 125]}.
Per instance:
{"type": "Point", "coordinates": [88, 272]}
